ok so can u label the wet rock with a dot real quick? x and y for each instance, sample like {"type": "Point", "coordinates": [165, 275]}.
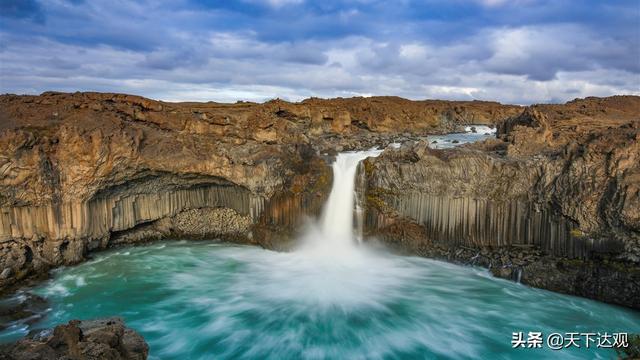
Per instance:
{"type": "Point", "coordinates": [7, 272]}
{"type": "Point", "coordinates": [107, 339]}
{"type": "Point", "coordinates": [21, 308]}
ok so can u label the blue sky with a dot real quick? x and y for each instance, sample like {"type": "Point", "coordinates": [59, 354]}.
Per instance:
{"type": "Point", "coordinates": [518, 51]}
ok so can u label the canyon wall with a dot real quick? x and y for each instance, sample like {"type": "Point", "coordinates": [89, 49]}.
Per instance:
{"type": "Point", "coordinates": [553, 201]}
{"type": "Point", "coordinates": [86, 171]}
{"type": "Point", "coordinates": [550, 201]}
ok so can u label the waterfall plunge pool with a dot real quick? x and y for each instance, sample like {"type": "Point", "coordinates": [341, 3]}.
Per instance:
{"type": "Point", "coordinates": [202, 300]}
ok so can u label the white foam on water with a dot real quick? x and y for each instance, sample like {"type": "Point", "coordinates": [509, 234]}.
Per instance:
{"type": "Point", "coordinates": [57, 289]}
{"type": "Point", "coordinates": [448, 141]}
{"type": "Point", "coordinates": [480, 129]}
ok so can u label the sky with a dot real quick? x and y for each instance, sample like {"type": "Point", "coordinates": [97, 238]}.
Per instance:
{"type": "Point", "coordinates": [518, 51]}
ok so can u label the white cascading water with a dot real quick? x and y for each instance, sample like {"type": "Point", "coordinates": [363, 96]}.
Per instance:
{"type": "Point", "coordinates": [336, 231]}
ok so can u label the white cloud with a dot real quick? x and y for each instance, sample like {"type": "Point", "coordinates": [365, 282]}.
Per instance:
{"type": "Point", "coordinates": [492, 2]}
{"type": "Point", "coordinates": [413, 51]}
{"type": "Point", "coordinates": [497, 3]}
{"type": "Point", "coordinates": [513, 64]}
{"type": "Point", "coordinates": [277, 3]}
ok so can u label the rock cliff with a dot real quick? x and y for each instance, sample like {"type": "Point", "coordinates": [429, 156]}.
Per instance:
{"type": "Point", "coordinates": [86, 171]}
{"type": "Point", "coordinates": [554, 202]}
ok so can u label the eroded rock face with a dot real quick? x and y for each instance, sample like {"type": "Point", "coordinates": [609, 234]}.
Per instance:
{"type": "Point", "coordinates": [103, 339]}
{"type": "Point", "coordinates": [86, 171]}
{"type": "Point", "coordinates": [562, 179]}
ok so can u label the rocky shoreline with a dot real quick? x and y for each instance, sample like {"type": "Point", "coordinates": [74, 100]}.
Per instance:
{"type": "Point", "coordinates": [554, 201]}
{"type": "Point", "coordinates": [89, 171]}
{"type": "Point", "coordinates": [102, 339]}
{"type": "Point", "coordinates": [605, 278]}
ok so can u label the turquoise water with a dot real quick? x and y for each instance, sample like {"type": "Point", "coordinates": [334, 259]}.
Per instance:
{"type": "Point", "coordinates": [203, 300]}
{"type": "Point", "coordinates": [446, 141]}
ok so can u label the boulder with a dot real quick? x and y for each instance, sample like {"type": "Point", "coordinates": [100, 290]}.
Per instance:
{"type": "Point", "coordinates": [102, 339]}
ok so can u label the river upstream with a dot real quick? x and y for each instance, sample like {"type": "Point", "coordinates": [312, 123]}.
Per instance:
{"type": "Point", "coordinates": [331, 298]}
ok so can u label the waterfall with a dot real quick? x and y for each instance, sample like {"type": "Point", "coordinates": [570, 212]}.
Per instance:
{"type": "Point", "coordinates": [335, 231]}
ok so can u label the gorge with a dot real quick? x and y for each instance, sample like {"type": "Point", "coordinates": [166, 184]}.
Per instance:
{"type": "Point", "coordinates": [198, 300]}
{"type": "Point", "coordinates": [551, 202]}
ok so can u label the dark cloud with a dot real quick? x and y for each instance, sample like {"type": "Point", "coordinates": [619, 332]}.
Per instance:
{"type": "Point", "coordinates": [22, 9]}
{"type": "Point", "coordinates": [169, 59]}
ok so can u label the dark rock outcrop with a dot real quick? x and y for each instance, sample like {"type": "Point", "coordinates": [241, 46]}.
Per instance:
{"type": "Point", "coordinates": [103, 339]}
{"type": "Point", "coordinates": [22, 308]}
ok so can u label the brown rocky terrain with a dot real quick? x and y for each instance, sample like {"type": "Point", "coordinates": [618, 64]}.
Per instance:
{"type": "Point", "coordinates": [103, 339]}
{"type": "Point", "coordinates": [87, 171]}
{"type": "Point", "coordinates": [553, 202]}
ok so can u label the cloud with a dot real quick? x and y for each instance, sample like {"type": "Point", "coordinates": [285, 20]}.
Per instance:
{"type": "Point", "coordinates": [22, 9]}
{"type": "Point", "coordinates": [225, 51]}
{"type": "Point", "coordinates": [493, 2]}
{"type": "Point", "coordinates": [496, 3]}
{"type": "Point", "coordinates": [541, 52]}
{"type": "Point", "coordinates": [277, 3]}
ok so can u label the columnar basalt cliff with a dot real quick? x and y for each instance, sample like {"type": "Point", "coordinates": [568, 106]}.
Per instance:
{"type": "Point", "coordinates": [86, 171]}
{"type": "Point", "coordinates": [554, 202]}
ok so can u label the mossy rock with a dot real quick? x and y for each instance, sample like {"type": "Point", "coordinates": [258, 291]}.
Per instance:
{"type": "Point", "coordinates": [368, 167]}
{"type": "Point", "coordinates": [613, 265]}
{"type": "Point", "coordinates": [633, 351]}
{"type": "Point", "coordinates": [376, 202]}
{"type": "Point", "coordinates": [577, 233]}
